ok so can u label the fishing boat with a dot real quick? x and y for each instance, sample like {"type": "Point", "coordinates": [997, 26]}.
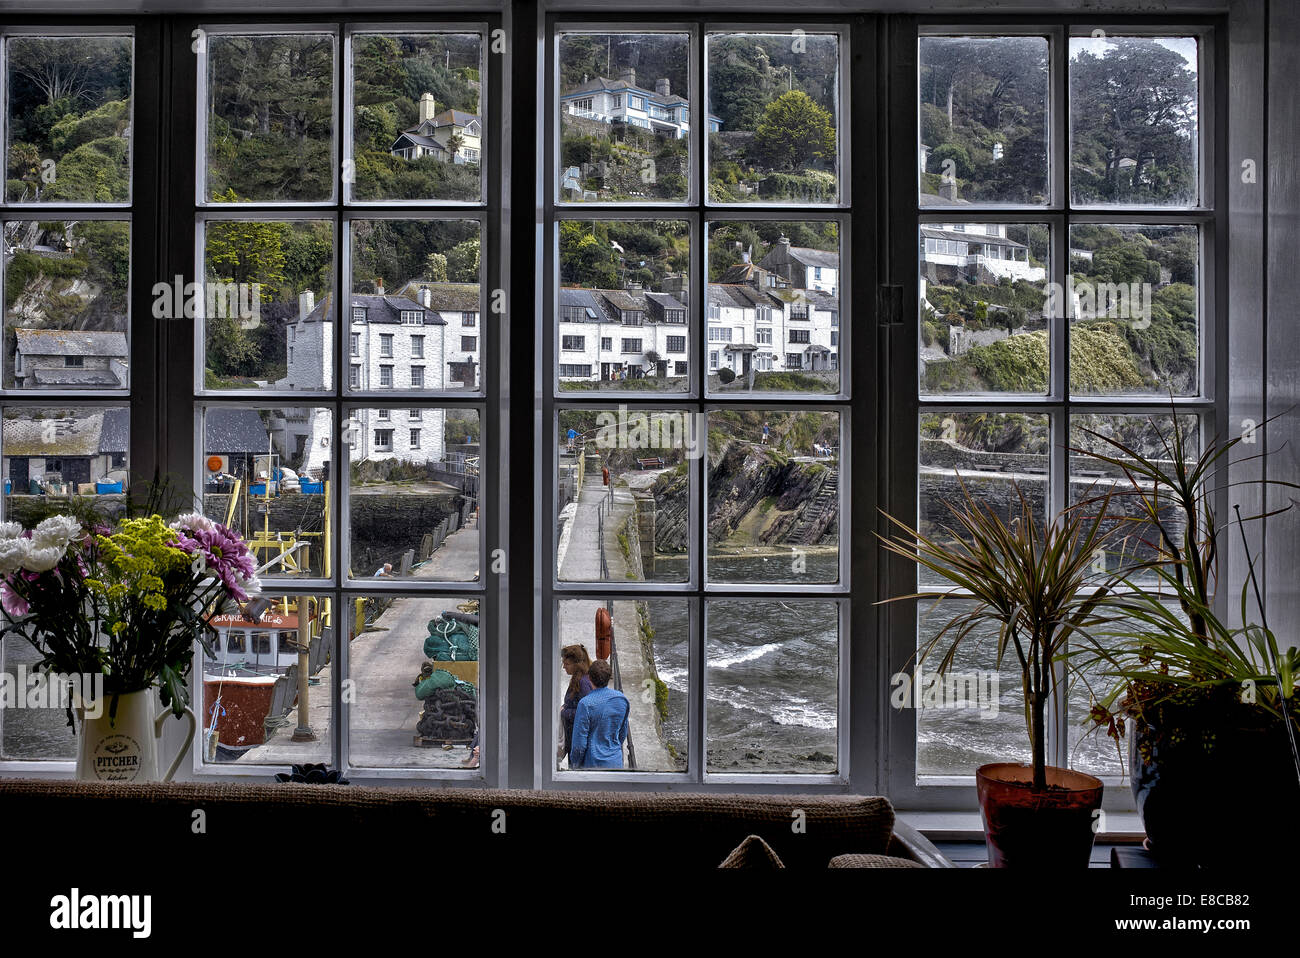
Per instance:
{"type": "Point", "coordinates": [250, 681]}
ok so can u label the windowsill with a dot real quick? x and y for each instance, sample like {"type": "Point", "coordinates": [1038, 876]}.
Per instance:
{"type": "Point", "coordinates": [959, 826]}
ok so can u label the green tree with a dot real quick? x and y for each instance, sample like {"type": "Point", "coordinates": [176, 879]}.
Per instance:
{"type": "Point", "coordinates": [795, 131]}
{"type": "Point", "coordinates": [462, 262]}
{"type": "Point", "coordinates": [435, 267]}
{"type": "Point", "coordinates": [245, 251]}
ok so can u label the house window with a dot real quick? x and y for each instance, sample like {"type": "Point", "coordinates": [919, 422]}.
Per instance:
{"type": "Point", "coordinates": [800, 335]}
{"type": "Point", "coordinates": [354, 344]}
{"type": "Point", "coordinates": [386, 345]}
{"type": "Point", "coordinates": [469, 319]}
{"type": "Point", "coordinates": [415, 414]}
{"type": "Point", "coordinates": [573, 342]}
{"type": "Point", "coordinates": [606, 344]}
{"type": "Point", "coordinates": [794, 360]}
{"type": "Point", "coordinates": [680, 367]}
{"type": "Point", "coordinates": [763, 336]}
{"type": "Point", "coordinates": [383, 440]}
{"type": "Point", "coordinates": [675, 344]}
{"type": "Point", "coordinates": [835, 337]}
{"type": "Point", "coordinates": [354, 376]}
{"type": "Point", "coordinates": [631, 346]}
{"type": "Point", "coordinates": [719, 334]}
{"type": "Point", "coordinates": [417, 377]}
{"type": "Point", "coordinates": [412, 317]}
{"type": "Point", "coordinates": [290, 355]}
{"type": "Point", "coordinates": [417, 347]}
{"type": "Point", "coordinates": [575, 370]}
{"type": "Point", "coordinates": [385, 375]}
{"type": "Point", "coordinates": [468, 344]}
{"type": "Point", "coordinates": [383, 414]}
{"type": "Point", "coordinates": [415, 439]}
{"type": "Point", "coordinates": [713, 359]}
{"type": "Point", "coordinates": [358, 314]}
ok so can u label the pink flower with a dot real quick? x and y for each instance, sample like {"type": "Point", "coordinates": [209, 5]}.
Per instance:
{"type": "Point", "coordinates": [13, 604]}
{"type": "Point", "coordinates": [225, 555]}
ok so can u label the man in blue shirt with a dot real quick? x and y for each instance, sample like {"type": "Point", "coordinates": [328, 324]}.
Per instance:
{"type": "Point", "coordinates": [600, 727]}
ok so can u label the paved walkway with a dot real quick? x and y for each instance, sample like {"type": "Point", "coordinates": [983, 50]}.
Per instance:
{"type": "Point", "coordinates": [385, 660]}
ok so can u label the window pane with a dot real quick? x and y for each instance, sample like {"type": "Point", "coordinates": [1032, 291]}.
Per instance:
{"type": "Point", "coordinates": [69, 119]}
{"type": "Point", "coordinates": [972, 715]}
{"type": "Point", "coordinates": [412, 283]}
{"type": "Point", "coordinates": [415, 663]}
{"type": "Point", "coordinates": [773, 307]}
{"type": "Point", "coordinates": [983, 295]}
{"type": "Point", "coordinates": [624, 117]}
{"type": "Point", "coordinates": [251, 684]}
{"type": "Point", "coordinates": [623, 305]}
{"type": "Point", "coordinates": [270, 119]}
{"type": "Point", "coordinates": [268, 316]}
{"type": "Point", "coordinates": [774, 496]}
{"type": "Point", "coordinates": [414, 493]}
{"type": "Point", "coordinates": [266, 475]}
{"type": "Point", "coordinates": [774, 120]}
{"type": "Point", "coordinates": [990, 454]}
{"type": "Point", "coordinates": [649, 655]}
{"type": "Point", "coordinates": [983, 120]}
{"type": "Point", "coordinates": [1133, 121]}
{"type": "Point", "coordinates": [772, 686]}
{"type": "Point", "coordinates": [30, 733]}
{"type": "Point", "coordinates": [636, 526]}
{"type": "Point", "coordinates": [66, 310]}
{"type": "Point", "coordinates": [1136, 318]}
{"type": "Point", "coordinates": [53, 453]}
{"type": "Point", "coordinates": [417, 121]}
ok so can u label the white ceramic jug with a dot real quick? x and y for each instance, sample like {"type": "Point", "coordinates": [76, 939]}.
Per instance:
{"type": "Point", "coordinates": [125, 748]}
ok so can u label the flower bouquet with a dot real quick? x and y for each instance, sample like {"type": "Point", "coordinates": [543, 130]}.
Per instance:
{"type": "Point", "coordinates": [124, 602]}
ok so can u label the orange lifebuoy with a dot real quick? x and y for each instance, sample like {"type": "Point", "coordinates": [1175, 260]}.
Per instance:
{"type": "Point", "coordinates": [604, 474]}
{"type": "Point", "coordinates": [604, 633]}
{"type": "Point", "coordinates": [214, 463]}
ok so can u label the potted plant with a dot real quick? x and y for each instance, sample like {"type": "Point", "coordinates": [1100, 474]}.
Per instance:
{"type": "Point", "coordinates": [1037, 584]}
{"type": "Point", "coordinates": [1211, 704]}
{"type": "Point", "coordinates": [114, 611]}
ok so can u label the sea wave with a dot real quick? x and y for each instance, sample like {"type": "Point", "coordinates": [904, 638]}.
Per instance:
{"type": "Point", "coordinates": [743, 655]}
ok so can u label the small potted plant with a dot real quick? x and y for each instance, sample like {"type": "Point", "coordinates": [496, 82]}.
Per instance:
{"type": "Point", "coordinates": [1037, 584]}
{"type": "Point", "coordinates": [1211, 705]}
{"type": "Point", "coordinates": [115, 612]}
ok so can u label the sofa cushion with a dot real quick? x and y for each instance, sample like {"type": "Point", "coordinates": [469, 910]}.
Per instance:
{"type": "Point", "coordinates": [752, 854]}
{"type": "Point", "coordinates": [872, 861]}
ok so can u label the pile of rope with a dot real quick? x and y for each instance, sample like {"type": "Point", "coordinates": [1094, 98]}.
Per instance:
{"type": "Point", "coordinates": [453, 637]}
{"type": "Point", "coordinates": [450, 707]}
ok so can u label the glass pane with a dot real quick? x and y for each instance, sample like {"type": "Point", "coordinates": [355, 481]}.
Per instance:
{"type": "Point", "coordinates": [646, 645]}
{"type": "Point", "coordinates": [414, 492]}
{"type": "Point", "coordinates": [973, 714]}
{"type": "Point", "coordinates": [624, 117]}
{"type": "Point", "coordinates": [772, 687]}
{"type": "Point", "coordinates": [268, 317]}
{"type": "Point", "coordinates": [623, 305]}
{"type": "Point", "coordinates": [1133, 121]}
{"type": "Point", "coordinates": [28, 729]}
{"type": "Point", "coordinates": [266, 474]}
{"type": "Point", "coordinates": [66, 309]}
{"type": "Point", "coordinates": [417, 121]}
{"type": "Point", "coordinates": [774, 496]}
{"type": "Point", "coordinates": [415, 308]}
{"type": "Point", "coordinates": [622, 494]}
{"type": "Point", "coordinates": [983, 317]}
{"type": "Point", "coordinates": [983, 120]}
{"type": "Point", "coordinates": [774, 117]}
{"type": "Point", "coordinates": [414, 662]}
{"type": "Point", "coordinates": [773, 306]}
{"type": "Point", "coordinates": [69, 119]}
{"type": "Point", "coordinates": [1151, 437]}
{"type": "Point", "coordinates": [251, 714]}
{"type": "Point", "coordinates": [990, 454]}
{"type": "Point", "coordinates": [270, 122]}
{"type": "Point", "coordinates": [1134, 298]}
{"type": "Point", "coordinates": [51, 454]}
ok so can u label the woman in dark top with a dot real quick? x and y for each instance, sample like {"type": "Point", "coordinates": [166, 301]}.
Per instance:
{"type": "Point", "coordinates": [576, 663]}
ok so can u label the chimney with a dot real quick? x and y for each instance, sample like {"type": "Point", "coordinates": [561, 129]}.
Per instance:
{"type": "Point", "coordinates": [628, 76]}
{"type": "Point", "coordinates": [379, 286]}
{"type": "Point", "coordinates": [426, 297]}
{"type": "Point", "coordinates": [426, 107]}
{"type": "Point", "coordinates": [948, 191]}
{"type": "Point", "coordinates": [662, 86]}
{"type": "Point", "coordinates": [633, 287]}
{"type": "Point", "coordinates": [306, 303]}
{"type": "Point", "coordinates": [783, 241]}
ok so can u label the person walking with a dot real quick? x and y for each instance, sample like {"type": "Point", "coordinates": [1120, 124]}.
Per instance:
{"type": "Point", "coordinates": [600, 725]}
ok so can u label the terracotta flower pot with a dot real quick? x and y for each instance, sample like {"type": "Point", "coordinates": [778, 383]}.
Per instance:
{"type": "Point", "coordinates": [1025, 828]}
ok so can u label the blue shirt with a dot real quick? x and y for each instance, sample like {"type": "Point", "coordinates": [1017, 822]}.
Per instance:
{"type": "Point", "coordinates": [599, 730]}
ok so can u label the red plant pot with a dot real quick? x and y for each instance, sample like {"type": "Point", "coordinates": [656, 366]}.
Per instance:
{"type": "Point", "coordinates": [1025, 828]}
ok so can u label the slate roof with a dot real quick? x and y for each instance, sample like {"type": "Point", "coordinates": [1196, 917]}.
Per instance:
{"type": "Point", "coordinates": [456, 118]}
{"type": "Point", "coordinates": [115, 435]}
{"type": "Point", "coordinates": [587, 299]}
{"type": "Point", "coordinates": [70, 342]}
{"type": "Point", "coordinates": [428, 142]}
{"type": "Point", "coordinates": [379, 309]}
{"type": "Point", "coordinates": [233, 430]}
{"type": "Point", "coordinates": [444, 296]}
{"type": "Point", "coordinates": [72, 376]}
{"type": "Point", "coordinates": [73, 436]}
{"type": "Point", "coordinates": [815, 257]}
{"type": "Point", "coordinates": [929, 232]}
{"type": "Point", "coordinates": [665, 300]}
{"type": "Point", "coordinates": [741, 296]}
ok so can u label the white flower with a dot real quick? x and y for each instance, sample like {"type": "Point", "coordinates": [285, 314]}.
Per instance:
{"type": "Point", "coordinates": [251, 585]}
{"type": "Point", "coordinates": [194, 520]}
{"type": "Point", "coordinates": [10, 530]}
{"type": "Point", "coordinates": [56, 532]}
{"type": "Point", "coordinates": [43, 558]}
{"type": "Point", "coordinates": [13, 553]}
